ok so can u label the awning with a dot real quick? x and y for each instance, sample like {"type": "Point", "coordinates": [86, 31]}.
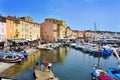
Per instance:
{"type": "Point", "coordinates": [20, 41]}
{"type": "Point", "coordinates": [33, 39]}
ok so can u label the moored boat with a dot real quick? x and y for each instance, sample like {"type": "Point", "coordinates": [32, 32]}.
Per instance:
{"type": "Point", "coordinates": [24, 53]}
{"type": "Point", "coordinates": [103, 52]}
{"type": "Point", "coordinates": [99, 74]}
{"type": "Point", "coordinates": [115, 73]}
{"type": "Point", "coordinates": [45, 47]}
{"type": "Point", "coordinates": [11, 59]}
{"type": "Point", "coordinates": [12, 53]}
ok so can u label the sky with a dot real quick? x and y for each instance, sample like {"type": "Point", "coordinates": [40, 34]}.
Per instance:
{"type": "Point", "coordinates": [78, 14]}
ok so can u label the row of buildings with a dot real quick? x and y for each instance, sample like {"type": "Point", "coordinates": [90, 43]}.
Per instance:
{"type": "Point", "coordinates": [12, 27]}
{"type": "Point", "coordinates": [17, 28]}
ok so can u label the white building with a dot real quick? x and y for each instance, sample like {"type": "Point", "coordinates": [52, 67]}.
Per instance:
{"type": "Point", "coordinates": [2, 29]}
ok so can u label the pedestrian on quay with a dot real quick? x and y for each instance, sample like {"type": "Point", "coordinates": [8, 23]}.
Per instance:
{"type": "Point", "coordinates": [49, 66]}
{"type": "Point", "coordinates": [41, 59]}
{"type": "Point", "coordinates": [41, 63]}
{"type": "Point", "coordinates": [46, 64]}
{"type": "Point", "coordinates": [35, 64]}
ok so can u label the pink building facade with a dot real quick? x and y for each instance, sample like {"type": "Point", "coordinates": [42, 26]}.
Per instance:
{"type": "Point", "coordinates": [48, 31]}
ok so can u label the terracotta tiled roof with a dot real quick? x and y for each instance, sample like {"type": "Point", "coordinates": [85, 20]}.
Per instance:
{"type": "Point", "coordinates": [2, 19]}
{"type": "Point", "coordinates": [14, 18]}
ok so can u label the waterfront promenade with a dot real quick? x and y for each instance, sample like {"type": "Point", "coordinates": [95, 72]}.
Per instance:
{"type": "Point", "coordinates": [41, 75]}
{"type": "Point", "coordinates": [4, 66]}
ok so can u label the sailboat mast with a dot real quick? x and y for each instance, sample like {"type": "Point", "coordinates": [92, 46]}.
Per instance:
{"type": "Point", "coordinates": [98, 55]}
{"type": "Point", "coordinates": [95, 31]}
{"type": "Point", "coordinates": [98, 45]}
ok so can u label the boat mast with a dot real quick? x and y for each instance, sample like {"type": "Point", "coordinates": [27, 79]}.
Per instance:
{"type": "Point", "coordinates": [95, 31]}
{"type": "Point", "coordinates": [98, 44]}
{"type": "Point", "coordinates": [98, 55]}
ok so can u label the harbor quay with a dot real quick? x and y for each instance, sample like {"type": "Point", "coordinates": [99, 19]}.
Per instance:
{"type": "Point", "coordinates": [4, 66]}
{"type": "Point", "coordinates": [44, 74]}
{"type": "Point", "coordinates": [39, 74]}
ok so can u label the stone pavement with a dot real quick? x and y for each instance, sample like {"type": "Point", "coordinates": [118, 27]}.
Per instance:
{"type": "Point", "coordinates": [45, 75]}
{"type": "Point", "coordinates": [4, 66]}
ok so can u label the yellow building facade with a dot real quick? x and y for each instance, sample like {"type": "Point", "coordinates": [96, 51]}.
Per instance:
{"type": "Point", "coordinates": [16, 30]}
{"type": "Point", "coordinates": [68, 32]}
{"type": "Point", "coordinates": [88, 34]}
{"type": "Point", "coordinates": [29, 29]}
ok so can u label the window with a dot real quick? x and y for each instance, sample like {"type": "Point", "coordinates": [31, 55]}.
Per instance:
{"type": "Point", "coordinates": [47, 36]}
{"type": "Point", "coordinates": [55, 30]}
{"type": "Point", "coordinates": [22, 36]}
{"type": "Point", "coordinates": [16, 30]}
{"type": "Point", "coordinates": [16, 25]}
{"type": "Point", "coordinates": [10, 24]}
{"type": "Point", "coordinates": [10, 30]}
{"type": "Point", "coordinates": [2, 24]}
{"type": "Point", "coordinates": [2, 30]}
{"type": "Point", "coordinates": [11, 37]}
{"type": "Point", "coordinates": [22, 24]}
{"type": "Point", "coordinates": [22, 30]}
{"type": "Point", "coordinates": [30, 28]}
{"type": "Point", "coordinates": [30, 36]}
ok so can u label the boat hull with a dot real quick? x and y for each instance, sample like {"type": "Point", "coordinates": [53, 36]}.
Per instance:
{"type": "Point", "coordinates": [11, 59]}
{"type": "Point", "coordinates": [114, 73]}
{"type": "Point", "coordinates": [99, 74]}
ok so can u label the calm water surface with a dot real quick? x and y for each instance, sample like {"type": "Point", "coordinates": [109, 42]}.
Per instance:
{"type": "Point", "coordinates": [68, 64]}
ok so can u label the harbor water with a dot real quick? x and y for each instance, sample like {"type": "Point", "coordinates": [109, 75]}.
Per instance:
{"type": "Point", "coordinates": [68, 64]}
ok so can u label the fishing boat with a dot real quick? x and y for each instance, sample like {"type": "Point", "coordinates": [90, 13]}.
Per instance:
{"type": "Point", "coordinates": [100, 74]}
{"type": "Point", "coordinates": [103, 52]}
{"type": "Point", "coordinates": [24, 53]}
{"type": "Point", "coordinates": [11, 59]}
{"type": "Point", "coordinates": [13, 53]}
{"type": "Point", "coordinates": [115, 73]}
{"type": "Point", "coordinates": [45, 47]}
